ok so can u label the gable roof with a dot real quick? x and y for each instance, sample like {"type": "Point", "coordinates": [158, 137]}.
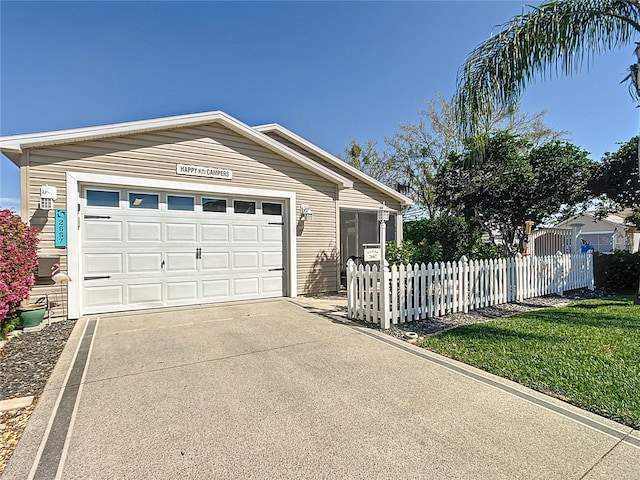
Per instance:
{"type": "Point", "coordinates": [617, 219]}
{"type": "Point", "coordinates": [13, 145]}
{"type": "Point", "coordinates": [340, 164]}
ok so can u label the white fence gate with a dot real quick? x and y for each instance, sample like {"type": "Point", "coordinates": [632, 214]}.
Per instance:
{"type": "Point", "coordinates": [406, 293]}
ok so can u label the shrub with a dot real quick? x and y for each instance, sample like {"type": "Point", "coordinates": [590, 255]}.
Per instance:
{"type": "Point", "coordinates": [7, 326]}
{"type": "Point", "coordinates": [18, 262]}
{"type": "Point", "coordinates": [439, 239]}
{"type": "Point", "coordinates": [447, 238]}
{"type": "Point", "coordinates": [400, 254]}
{"type": "Point", "coordinates": [618, 271]}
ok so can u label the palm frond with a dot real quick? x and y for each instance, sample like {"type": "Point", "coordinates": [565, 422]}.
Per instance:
{"type": "Point", "coordinates": [556, 38]}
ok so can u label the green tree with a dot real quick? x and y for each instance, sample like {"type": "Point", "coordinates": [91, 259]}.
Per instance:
{"type": "Point", "coordinates": [366, 158]}
{"type": "Point", "coordinates": [556, 37]}
{"type": "Point", "coordinates": [617, 179]}
{"type": "Point", "coordinates": [454, 236]}
{"type": "Point", "coordinates": [516, 181]}
{"type": "Point", "coordinates": [413, 156]}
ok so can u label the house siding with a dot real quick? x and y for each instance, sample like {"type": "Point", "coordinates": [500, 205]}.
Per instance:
{"type": "Point", "coordinates": [155, 155]}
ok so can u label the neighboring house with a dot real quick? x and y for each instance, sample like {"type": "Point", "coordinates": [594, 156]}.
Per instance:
{"type": "Point", "coordinates": [606, 234]}
{"type": "Point", "coordinates": [193, 209]}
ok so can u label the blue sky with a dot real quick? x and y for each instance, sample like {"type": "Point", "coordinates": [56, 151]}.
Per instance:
{"type": "Point", "coordinates": [329, 71]}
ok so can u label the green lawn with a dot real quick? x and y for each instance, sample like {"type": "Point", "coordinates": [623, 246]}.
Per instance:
{"type": "Point", "coordinates": [587, 353]}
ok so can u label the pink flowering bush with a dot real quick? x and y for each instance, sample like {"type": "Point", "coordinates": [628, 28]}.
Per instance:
{"type": "Point", "coordinates": [18, 262]}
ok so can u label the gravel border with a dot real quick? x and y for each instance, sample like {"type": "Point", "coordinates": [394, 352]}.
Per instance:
{"type": "Point", "coordinates": [334, 306]}
{"type": "Point", "coordinates": [27, 359]}
{"type": "Point", "coordinates": [435, 325]}
{"type": "Point", "coordinates": [26, 362]}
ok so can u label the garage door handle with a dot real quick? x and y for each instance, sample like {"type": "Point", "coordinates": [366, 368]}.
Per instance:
{"type": "Point", "coordinates": [275, 223]}
{"type": "Point", "coordinates": [276, 269]}
{"type": "Point", "coordinates": [97, 278]}
{"type": "Point", "coordinates": [96, 216]}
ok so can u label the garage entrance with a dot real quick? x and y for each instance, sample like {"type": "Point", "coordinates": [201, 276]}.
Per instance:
{"type": "Point", "coordinates": [144, 249]}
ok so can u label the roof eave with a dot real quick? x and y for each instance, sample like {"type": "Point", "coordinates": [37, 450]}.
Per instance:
{"type": "Point", "coordinates": [15, 144]}
{"type": "Point", "coordinates": [303, 143]}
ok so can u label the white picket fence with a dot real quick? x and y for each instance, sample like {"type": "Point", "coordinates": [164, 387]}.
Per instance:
{"type": "Point", "coordinates": [406, 293]}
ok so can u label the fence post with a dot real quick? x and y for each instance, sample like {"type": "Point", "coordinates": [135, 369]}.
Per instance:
{"type": "Point", "coordinates": [384, 298]}
{"type": "Point", "coordinates": [559, 274]}
{"type": "Point", "coordinates": [351, 291]}
{"type": "Point", "coordinates": [518, 277]}
{"type": "Point", "coordinates": [430, 290]}
{"type": "Point", "coordinates": [464, 277]}
{"type": "Point", "coordinates": [590, 270]}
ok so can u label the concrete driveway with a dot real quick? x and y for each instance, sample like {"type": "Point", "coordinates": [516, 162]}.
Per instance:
{"type": "Point", "coordinates": [269, 390]}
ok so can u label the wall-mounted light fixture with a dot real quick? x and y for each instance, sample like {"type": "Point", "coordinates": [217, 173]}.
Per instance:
{"type": "Point", "coordinates": [48, 195]}
{"type": "Point", "coordinates": [305, 213]}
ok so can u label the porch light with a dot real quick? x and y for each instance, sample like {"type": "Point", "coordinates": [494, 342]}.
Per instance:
{"type": "Point", "coordinates": [48, 195]}
{"type": "Point", "coordinates": [305, 213]}
{"type": "Point", "coordinates": [383, 218]}
{"type": "Point", "coordinates": [383, 213]}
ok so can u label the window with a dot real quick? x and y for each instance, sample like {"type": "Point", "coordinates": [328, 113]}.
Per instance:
{"type": "Point", "coordinates": [271, 208]}
{"type": "Point", "coordinates": [101, 198]}
{"type": "Point", "coordinates": [240, 206]}
{"type": "Point", "coordinates": [180, 203]}
{"type": "Point", "coordinates": [214, 205]}
{"type": "Point", "coordinates": [601, 242]}
{"type": "Point", "coordinates": [143, 200]}
{"type": "Point", "coordinates": [360, 227]}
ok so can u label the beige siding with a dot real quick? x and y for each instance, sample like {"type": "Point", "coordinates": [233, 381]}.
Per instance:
{"type": "Point", "coordinates": [155, 155]}
{"type": "Point", "coordinates": [361, 195]}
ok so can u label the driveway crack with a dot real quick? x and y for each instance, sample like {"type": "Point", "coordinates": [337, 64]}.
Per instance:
{"type": "Point", "coordinates": [599, 461]}
{"type": "Point", "coordinates": [211, 360]}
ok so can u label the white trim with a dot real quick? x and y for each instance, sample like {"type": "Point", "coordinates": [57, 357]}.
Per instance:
{"type": "Point", "coordinates": [338, 244]}
{"type": "Point", "coordinates": [73, 179]}
{"type": "Point", "coordinates": [307, 145]}
{"type": "Point", "coordinates": [74, 287]}
{"type": "Point", "coordinates": [372, 209]}
{"type": "Point", "coordinates": [14, 144]}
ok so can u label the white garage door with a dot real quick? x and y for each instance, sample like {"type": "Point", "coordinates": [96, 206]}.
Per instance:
{"type": "Point", "coordinates": [144, 249]}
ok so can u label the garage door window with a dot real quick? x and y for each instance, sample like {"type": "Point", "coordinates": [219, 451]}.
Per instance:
{"type": "Point", "coordinates": [214, 205]}
{"type": "Point", "coordinates": [240, 206]}
{"type": "Point", "coordinates": [102, 198]}
{"type": "Point", "coordinates": [143, 200]}
{"type": "Point", "coordinates": [271, 208]}
{"type": "Point", "coordinates": [180, 203]}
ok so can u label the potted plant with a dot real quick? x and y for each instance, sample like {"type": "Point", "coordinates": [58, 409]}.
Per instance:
{"type": "Point", "coordinates": [31, 315]}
